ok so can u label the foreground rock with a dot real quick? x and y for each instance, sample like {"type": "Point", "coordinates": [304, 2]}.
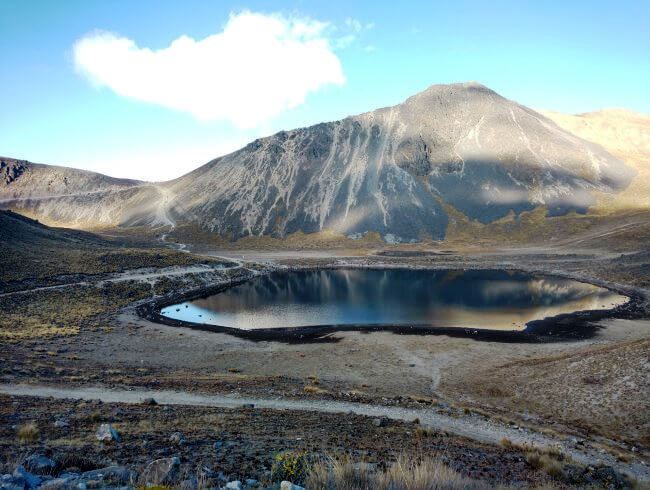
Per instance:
{"type": "Point", "coordinates": [162, 471]}
{"type": "Point", "coordinates": [106, 433]}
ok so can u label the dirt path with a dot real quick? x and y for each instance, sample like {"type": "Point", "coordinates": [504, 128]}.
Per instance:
{"type": "Point", "coordinates": [146, 275]}
{"type": "Point", "coordinates": [473, 427]}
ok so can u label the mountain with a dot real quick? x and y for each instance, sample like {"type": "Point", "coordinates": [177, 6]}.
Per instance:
{"type": "Point", "coordinates": [626, 135]}
{"type": "Point", "coordinates": [395, 171]}
{"type": "Point", "coordinates": [72, 197]}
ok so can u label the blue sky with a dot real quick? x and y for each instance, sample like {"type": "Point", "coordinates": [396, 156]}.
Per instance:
{"type": "Point", "coordinates": [120, 101]}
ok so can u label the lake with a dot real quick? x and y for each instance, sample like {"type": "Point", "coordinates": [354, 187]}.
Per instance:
{"type": "Point", "coordinates": [478, 299]}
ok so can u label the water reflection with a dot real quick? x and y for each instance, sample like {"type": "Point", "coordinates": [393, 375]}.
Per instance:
{"type": "Point", "coordinates": [500, 300]}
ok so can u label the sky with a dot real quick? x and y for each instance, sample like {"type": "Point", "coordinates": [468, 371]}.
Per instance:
{"type": "Point", "coordinates": [153, 89]}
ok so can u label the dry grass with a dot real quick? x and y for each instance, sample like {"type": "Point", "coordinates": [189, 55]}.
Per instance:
{"type": "Point", "coordinates": [550, 459]}
{"type": "Point", "coordinates": [315, 390]}
{"type": "Point", "coordinates": [404, 474]}
{"type": "Point", "coordinates": [28, 432]}
{"type": "Point", "coordinates": [40, 314]}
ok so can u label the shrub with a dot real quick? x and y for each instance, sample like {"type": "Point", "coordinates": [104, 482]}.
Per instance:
{"type": "Point", "coordinates": [290, 465]}
{"type": "Point", "coordinates": [28, 432]}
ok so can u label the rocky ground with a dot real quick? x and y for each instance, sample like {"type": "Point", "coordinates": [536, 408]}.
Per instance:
{"type": "Point", "coordinates": [586, 394]}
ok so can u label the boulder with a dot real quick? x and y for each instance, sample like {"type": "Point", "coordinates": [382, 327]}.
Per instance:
{"type": "Point", "coordinates": [287, 485]}
{"type": "Point", "coordinates": [30, 480]}
{"type": "Point", "coordinates": [40, 464]}
{"type": "Point", "coordinates": [11, 482]}
{"type": "Point", "coordinates": [234, 485]}
{"type": "Point", "coordinates": [161, 471]}
{"type": "Point", "coordinates": [106, 433]}
{"type": "Point", "coordinates": [61, 483]}
{"type": "Point", "coordinates": [61, 423]}
{"type": "Point", "coordinates": [380, 422]}
{"type": "Point", "coordinates": [114, 474]}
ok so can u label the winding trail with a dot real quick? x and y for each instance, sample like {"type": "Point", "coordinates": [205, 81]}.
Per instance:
{"type": "Point", "coordinates": [473, 427]}
{"type": "Point", "coordinates": [145, 275]}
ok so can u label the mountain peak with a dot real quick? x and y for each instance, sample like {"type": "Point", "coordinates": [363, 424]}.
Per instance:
{"type": "Point", "coordinates": [391, 171]}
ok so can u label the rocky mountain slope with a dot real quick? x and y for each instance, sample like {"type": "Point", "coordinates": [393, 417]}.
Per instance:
{"type": "Point", "coordinates": [626, 135]}
{"type": "Point", "coordinates": [395, 171]}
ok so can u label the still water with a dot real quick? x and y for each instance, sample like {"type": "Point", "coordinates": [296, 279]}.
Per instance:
{"type": "Point", "coordinates": [487, 299]}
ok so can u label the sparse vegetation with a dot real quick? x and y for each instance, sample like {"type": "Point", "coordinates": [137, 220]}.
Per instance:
{"type": "Point", "coordinates": [28, 432]}
{"type": "Point", "coordinates": [405, 473]}
{"type": "Point", "coordinates": [40, 314]}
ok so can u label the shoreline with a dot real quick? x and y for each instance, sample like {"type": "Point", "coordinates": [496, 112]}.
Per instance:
{"type": "Point", "coordinates": [573, 326]}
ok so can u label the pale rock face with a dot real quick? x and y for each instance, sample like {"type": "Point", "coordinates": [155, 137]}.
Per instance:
{"type": "Point", "coordinates": [389, 171]}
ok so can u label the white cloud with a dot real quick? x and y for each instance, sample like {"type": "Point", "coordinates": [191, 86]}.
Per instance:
{"type": "Point", "coordinates": [256, 68]}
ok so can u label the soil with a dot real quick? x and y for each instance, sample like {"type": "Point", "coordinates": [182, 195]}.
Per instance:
{"type": "Point", "coordinates": [582, 393]}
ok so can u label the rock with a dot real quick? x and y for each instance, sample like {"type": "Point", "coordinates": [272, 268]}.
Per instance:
{"type": "Point", "coordinates": [287, 485]}
{"type": "Point", "coordinates": [248, 405]}
{"type": "Point", "coordinates": [40, 465]}
{"type": "Point", "coordinates": [115, 474]}
{"type": "Point", "coordinates": [161, 471]}
{"type": "Point", "coordinates": [380, 422]}
{"type": "Point", "coordinates": [365, 467]}
{"type": "Point", "coordinates": [61, 483]}
{"type": "Point", "coordinates": [251, 482]}
{"type": "Point", "coordinates": [149, 401]}
{"type": "Point", "coordinates": [61, 423]}
{"type": "Point", "coordinates": [30, 480]}
{"type": "Point", "coordinates": [177, 438]}
{"type": "Point", "coordinates": [234, 485]}
{"type": "Point", "coordinates": [11, 482]}
{"type": "Point", "coordinates": [106, 433]}
{"type": "Point", "coordinates": [190, 484]}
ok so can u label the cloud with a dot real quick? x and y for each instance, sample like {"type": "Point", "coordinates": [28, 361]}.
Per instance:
{"type": "Point", "coordinates": [353, 29]}
{"type": "Point", "coordinates": [256, 68]}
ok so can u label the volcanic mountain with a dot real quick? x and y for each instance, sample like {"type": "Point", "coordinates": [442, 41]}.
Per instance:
{"type": "Point", "coordinates": [396, 171]}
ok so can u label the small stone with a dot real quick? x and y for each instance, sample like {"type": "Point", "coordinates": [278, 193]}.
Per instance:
{"type": "Point", "coordinates": [107, 433]}
{"type": "Point", "coordinates": [149, 401]}
{"type": "Point", "coordinates": [177, 438]}
{"type": "Point", "coordinates": [248, 405]}
{"type": "Point", "coordinates": [234, 485]}
{"type": "Point", "coordinates": [61, 423]}
{"type": "Point", "coordinates": [162, 471]}
{"type": "Point", "coordinates": [190, 484]}
{"type": "Point", "coordinates": [251, 482]}
{"type": "Point", "coordinates": [287, 485]}
{"type": "Point", "coordinates": [380, 422]}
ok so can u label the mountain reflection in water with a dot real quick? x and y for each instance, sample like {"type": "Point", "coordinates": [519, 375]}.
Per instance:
{"type": "Point", "coordinates": [489, 299]}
